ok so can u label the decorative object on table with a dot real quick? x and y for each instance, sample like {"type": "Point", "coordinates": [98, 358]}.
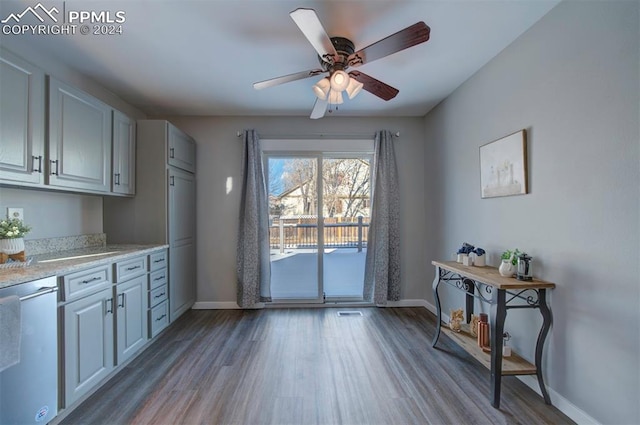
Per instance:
{"type": "Point", "coordinates": [479, 258]}
{"type": "Point", "coordinates": [483, 330]}
{"type": "Point", "coordinates": [11, 239]}
{"type": "Point", "coordinates": [467, 260]}
{"type": "Point", "coordinates": [503, 166]}
{"type": "Point", "coordinates": [524, 267]}
{"type": "Point", "coordinates": [509, 261]}
{"type": "Point", "coordinates": [464, 251]}
{"type": "Point", "coordinates": [506, 350]}
{"type": "Point", "coordinates": [455, 319]}
{"type": "Point", "coordinates": [473, 325]}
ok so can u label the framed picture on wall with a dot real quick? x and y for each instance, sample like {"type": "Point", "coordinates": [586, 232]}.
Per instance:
{"type": "Point", "coordinates": [503, 166]}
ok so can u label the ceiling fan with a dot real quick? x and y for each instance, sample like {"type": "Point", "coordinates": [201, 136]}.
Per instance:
{"type": "Point", "coordinates": [337, 54]}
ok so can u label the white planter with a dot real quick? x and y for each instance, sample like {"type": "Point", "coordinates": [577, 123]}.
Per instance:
{"type": "Point", "coordinates": [479, 260]}
{"type": "Point", "coordinates": [11, 246]}
{"type": "Point", "coordinates": [506, 269]}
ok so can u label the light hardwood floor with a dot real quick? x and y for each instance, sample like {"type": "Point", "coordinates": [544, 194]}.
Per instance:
{"type": "Point", "coordinates": [308, 366]}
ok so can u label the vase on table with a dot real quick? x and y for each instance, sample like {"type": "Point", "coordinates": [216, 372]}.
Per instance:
{"type": "Point", "coordinates": [506, 268]}
{"type": "Point", "coordinates": [11, 246]}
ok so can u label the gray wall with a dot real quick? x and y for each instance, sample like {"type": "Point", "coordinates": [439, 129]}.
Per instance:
{"type": "Point", "coordinates": [54, 214]}
{"type": "Point", "coordinates": [219, 152]}
{"type": "Point", "coordinates": [572, 81]}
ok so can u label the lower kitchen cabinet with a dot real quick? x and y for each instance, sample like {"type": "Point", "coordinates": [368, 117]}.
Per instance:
{"type": "Point", "coordinates": [158, 293]}
{"type": "Point", "coordinates": [88, 343]}
{"type": "Point", "coordinates": [131, 317]}
{"type": "Point", "coordinates": [159, 318]}
{"type": "Point", "coordinates": [108, 313]}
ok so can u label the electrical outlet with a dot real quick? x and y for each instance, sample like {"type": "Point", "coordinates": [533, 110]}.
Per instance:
{"type": "Point", "coordinates": [15, 213]}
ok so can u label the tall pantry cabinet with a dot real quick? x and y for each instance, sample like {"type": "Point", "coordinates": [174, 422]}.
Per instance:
{"type": "Point", "coordinates": [163, 209]}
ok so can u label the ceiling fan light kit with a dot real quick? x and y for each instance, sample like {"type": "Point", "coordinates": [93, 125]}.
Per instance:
{"type": "Point", "coordinates": [339, 80]}
{"type": "Point", "coordinates": [354, 88]}
{"type": "Point", "coordinates": [335, 97]}
{"type": "Point", "coordinates": [321, 88]}
{"type": "Point", "coordinates": [337, 54]}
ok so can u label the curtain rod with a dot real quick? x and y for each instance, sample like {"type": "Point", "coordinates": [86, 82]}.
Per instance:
{"type": "Point", "coordinates": [354, 136]}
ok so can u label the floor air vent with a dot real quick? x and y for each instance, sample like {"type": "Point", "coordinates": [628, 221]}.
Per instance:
{"type": "Point", "coordinates": [349, 313]}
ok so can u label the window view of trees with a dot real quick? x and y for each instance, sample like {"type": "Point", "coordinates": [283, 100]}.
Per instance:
{"type": "Point", "coordinates": [345, 181]}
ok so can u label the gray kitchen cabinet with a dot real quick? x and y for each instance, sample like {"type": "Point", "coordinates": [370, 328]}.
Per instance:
{"type": "Point", "coordinates": [158, 293]}
{"type": "Point", "coordinates": [163, 210]}
{"type": "Point", "coordinates": [88, 343]}
{"type": "Point", "coordinates": [124, 154]}
{"type": "Point", "coordinates": [182, 150]}
{"type": "Point", "coordinates": [131, 317]}
{"type": "Point", "coordinates": [79, 140]}
{"type": "Point", "coordinates": [131, 306]}
{"type": "Point", "coordinates": [22, 121]}
{"type": "Point", "coordinates": [182, 232]}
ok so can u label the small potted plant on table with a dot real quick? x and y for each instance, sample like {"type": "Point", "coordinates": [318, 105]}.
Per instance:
{"type": "Point", "coordinates": [509, 260]}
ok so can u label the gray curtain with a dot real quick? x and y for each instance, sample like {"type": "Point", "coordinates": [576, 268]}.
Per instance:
{"type": "Point", "coordinates": [382, 267]}
{"type": "Point", "coordinates": [253, 266]}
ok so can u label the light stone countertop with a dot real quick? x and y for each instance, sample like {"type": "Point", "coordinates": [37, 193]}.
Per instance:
{"type": "Point", "coordinates": [63, 262]}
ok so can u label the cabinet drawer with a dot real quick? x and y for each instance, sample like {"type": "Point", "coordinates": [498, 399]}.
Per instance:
{"type": "Point", "coordinates": [157, 295]}
{"type": "Point", "coordinates": [157, 261]}
{"type": "Point", "coordinates": [158, 318]}
{"type": "Point", "coordinates": [157, 278]}
{"type": "Point", "coordinates": [127, 269]}
{"type": "Point", "coordinates": [86, 281]}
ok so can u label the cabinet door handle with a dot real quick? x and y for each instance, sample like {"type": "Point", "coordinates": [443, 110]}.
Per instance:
{"type": "Point", "coordinates": [54, 162]}
{"type": "Point", "coordinates": [171, 152]}
{"type": "Point", "coordinates": [132, 268]}
{"type": "Point", "coordinates": [93, 279]}
{"type": "Point", "coordinates": [121, 300]}
{"type": "Point", "coordinates": [108, 309]}
{"type": "Point", "coordinates": [161, 317]}
{"type": "Point", "coordinates": [158, 278]}
{"type": "Point", "coordinates": [158, 261]}
{"type": "Point", "coordinates": [159, 296]}
{"type": "Point", "coordinates": [172, 181]}
{"type": "Point", "coordinates": [117, 179]}
{"type": "Point", "coordinates": [39, 159]}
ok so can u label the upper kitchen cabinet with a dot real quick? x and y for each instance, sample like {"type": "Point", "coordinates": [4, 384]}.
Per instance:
{"type": "Point", "coordinates": [182, 150]}
{"type": "Point", "coordinates": [124, 154]}
{"type": "Point", "coordinates": [22, 123]}
{"type": "Point", "coordinates": [79, 140]}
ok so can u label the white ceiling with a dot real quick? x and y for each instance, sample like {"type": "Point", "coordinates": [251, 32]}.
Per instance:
{"type": "Point", "coordinates": [201, 57]}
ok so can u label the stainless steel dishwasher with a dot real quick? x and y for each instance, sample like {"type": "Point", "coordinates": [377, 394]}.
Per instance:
{"type": "Point", "coordinates": [28, 389]}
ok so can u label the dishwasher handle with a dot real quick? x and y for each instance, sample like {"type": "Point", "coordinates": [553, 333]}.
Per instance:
{"type": "Point", "coordinates": [41, 291]}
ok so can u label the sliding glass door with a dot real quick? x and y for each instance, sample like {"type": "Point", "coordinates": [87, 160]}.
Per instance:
{"type": "Point", "coordinates": [345, 221]}
{"type": "Point", "coordinates": [319, 204]}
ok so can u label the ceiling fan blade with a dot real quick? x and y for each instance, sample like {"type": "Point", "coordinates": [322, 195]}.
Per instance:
{"type": "Point", "coordinates": [287, 78]}
{"type": "Point", "coordinates": [373, 86]}
{"type": "Point", "coordinates": [312, 28]}
{"type": "Point", "coordinates": [319, 109]}
{"type": "Point", "coordinates": [408, 37]}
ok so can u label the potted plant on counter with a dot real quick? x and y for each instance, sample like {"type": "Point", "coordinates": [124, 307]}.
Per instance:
{"type": "Point", "coordinates": [12, 231]}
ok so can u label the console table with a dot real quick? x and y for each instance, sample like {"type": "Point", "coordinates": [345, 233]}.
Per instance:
{"type": "Point", "coordinates": [502, 293]}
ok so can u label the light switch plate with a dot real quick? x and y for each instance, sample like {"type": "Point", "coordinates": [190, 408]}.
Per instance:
{"type": "Point", "coordinates": [15, 213]}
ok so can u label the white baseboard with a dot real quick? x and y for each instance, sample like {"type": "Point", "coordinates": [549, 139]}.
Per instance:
{"type": "Point", "coordinates": [565, 406]}
{"type": "Point", "coordinates": [220, 305]}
